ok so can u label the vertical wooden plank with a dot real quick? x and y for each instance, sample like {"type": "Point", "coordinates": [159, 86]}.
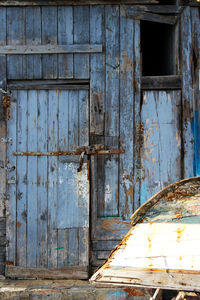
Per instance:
{"type": "Point", "coordinates": [187, 94]}
{"type": "Point", "coordinates": [32, 181]}
{"type": "Point", "coordinates": [16, 68]}
{"type": "Point", "coordinates": [81, 36]}
{"type": "Point", "coordinates": [196, 83]}
{"type": "Point", "coordinates": [62, 248]}
{"type": "Point", "coordinates": [161, 152]}
{"type": "Point", "coordinates": [137, 125]}
{"type": "Point", "coordinates": [83, 118]}
{"type": "Point", "coordinates": [63, 122]}
{"type": "Point", "coordinates": [33, 37]}
{"type": "Point", "coordinates": [52, 177]}
{"type": "Point", "coordinates": [112, 108]}
{"type": "Point", "coordinates": [42, 179]}
{"type": "Point", "coordinates": [2, 112]}
{"type": "Point", "coordinates": [73, 115]}
{"type": "Point", "coordinates": [11, 189]}
{"type": "Point", "coordinates": [49, 36]}
{"type": "Point", "coordinates": [84, 246]}
{"type": "Point", "coordinates": [126, 115]}
{"type": "Point", "coordinates": [73, 247]}
{"type": "Point", "coordinates": [65, 37]}
{"type": "Point", "coordinates": [21, 198]}
{"type": "Point", "coordinates": [97, 82]}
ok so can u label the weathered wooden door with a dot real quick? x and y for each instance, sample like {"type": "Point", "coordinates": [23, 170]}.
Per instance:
{"type": "Point", "coordinates": [48, 222]}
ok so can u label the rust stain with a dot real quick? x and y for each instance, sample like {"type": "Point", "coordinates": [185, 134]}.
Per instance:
{"type": "Point", "coordinates": [9, 263]}
{"type": "Point", "coordinates": [35, 122]}
{"type": "Point", "coordinates": [18, 224]}
{"type": "Point", "coordinates": [127, 64]}
{"type": "Point", "coordinates": [180, 231]}
{"type": "Point", "coordinates": [150, 244]}
{"type": "Point", "coordinates": [133, 292]}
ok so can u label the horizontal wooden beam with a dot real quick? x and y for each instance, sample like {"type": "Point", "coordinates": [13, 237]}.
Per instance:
{"type": "Point", "coordinates": [50, 49]}
{"type": "Point", "coordinates": [70, 2]}
{"type": "Point", "coordinates": [173, 82]}
{"type": "Point", "coordinates": [139, 14]}
{"type": "Point", "coordinates": [75, 272]}
{"type": "Point", "coordinates": [160, 9]}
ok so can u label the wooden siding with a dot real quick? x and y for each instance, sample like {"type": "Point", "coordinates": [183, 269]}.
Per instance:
{"type": "Point", "coordinates": [116, 107]}
{"type": "Point", "coordinates": [45, 228]}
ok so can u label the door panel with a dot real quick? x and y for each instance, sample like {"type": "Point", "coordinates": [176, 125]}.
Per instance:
{"type": "Point", "coordinates": [50, 200]}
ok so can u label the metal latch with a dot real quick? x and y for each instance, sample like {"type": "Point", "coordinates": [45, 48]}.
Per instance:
{"type": "Point", "coordinates": [6, 140]}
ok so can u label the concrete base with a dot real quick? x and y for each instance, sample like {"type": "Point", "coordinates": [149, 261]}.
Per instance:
{"type": "Point", "coordinates": [66, 289]}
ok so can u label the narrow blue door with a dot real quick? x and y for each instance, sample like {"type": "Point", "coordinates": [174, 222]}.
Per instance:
{"type": "Point", "coordinates": [48, 222]}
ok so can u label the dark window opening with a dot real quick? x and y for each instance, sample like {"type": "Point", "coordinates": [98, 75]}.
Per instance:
{"type": "Point", "coordinates": [158, 49]}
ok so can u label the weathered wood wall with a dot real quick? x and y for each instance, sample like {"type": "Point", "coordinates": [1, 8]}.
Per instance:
{"type": "Point", "coordinates": [115, 98]}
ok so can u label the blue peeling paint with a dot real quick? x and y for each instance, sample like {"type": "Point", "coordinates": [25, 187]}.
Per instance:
{"type": "Point", "coordinates": [118, 295]}
{"type": "Point", "coordinates": [196, 135]}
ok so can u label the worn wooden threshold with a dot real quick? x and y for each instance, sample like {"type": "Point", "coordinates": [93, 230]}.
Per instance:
{"type": "Point", "coordinates": [75, 272]}
{"type": "Point", "coordinates": [171, 82]}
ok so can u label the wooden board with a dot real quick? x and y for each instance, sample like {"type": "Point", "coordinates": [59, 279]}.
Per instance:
{"type": "Point", "coordinates": [48, 224]}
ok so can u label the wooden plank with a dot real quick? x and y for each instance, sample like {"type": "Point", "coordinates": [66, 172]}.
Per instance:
{"type": "Point", "coordinates": [16, 68]}
{"type": "Point", "coordinates": [83, 246]}
{"type": "Point", "coordinates": [38, 86]}
{"type": "Point", "coordinates": [74, 272]}
{"type": "Point", "coordinates": [65, 36]}
{"type": "Point", "coordinates": [104, 245]}
{"type": "Point", "coordinates": [81, 36]}
{"type": "Point", "coordinates": [111, 228]}
{"type": "Point", "coordinates": [2, 113]}
{"type": "Point", "coordinates": [172, 82]}
{"type": "Point", "coordinates": [62, 248]}
{"type": "Point", "coordinates": [11, 189]}
{"type": "Point", "coordinates": [159, 9]}
{"type": "Point", "coordinates": [187, 93]}
{"type": "Point", "coordinates": [79, 2]}
{"type": "Point", "coordinates": [33, 37]}
{"type": "Point", "coordinates": [53, 133]}
{"type": "Point", "coordinates": [20, 84]}
{"type": "Point", "coordinates": [137, 121]}
{"type": "Point", "coordinates": [139, 14]}
{"type": "Point", "coordinates": [42, 177]}
{"type": "Point", "coordinates": [126, 162]}
{"type": "Point", "coordinates": [97, 82]}
{"type": "Point", "coordinates": [32, 181]}
{"type": "Point", "coordinates": [21, 178]}
{"type": "Point", "coordinates": [50, 49]}
{"type": "Point", "coordinates": [161, 149]}
{"type": "Point", "coordinates": [111, 196]}
{"type": "Point", "coordinates": [49, 36]}
{"type": "Point", "coordinates": [83, 104]}
{"type": "Point", "coordinates": [196, 82]}
{"type": "Point", "coordinates": [73, 243]}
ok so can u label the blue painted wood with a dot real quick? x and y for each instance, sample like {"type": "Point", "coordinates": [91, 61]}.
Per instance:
{"type": "Point", "coordinates": [73, 251]}
{"type": "Point", "coordinates": [62, 249]}
{"type": "Point", "coordinates": [187, 93]}
{"type": "Point", "coordinates": [195, 23]}
{"type": "Point", "coordinates": [33, 37]}
{"type": "Point", "coordinates": [112, 108]}
{"type": "Point", "coordinates": [83, 104]}
{"type": "Point", "coordinates": [97, 62]}
{"type": "Point", "coordinates": [11, 174]}
{"type": "Point", "coordinates": [81, 36]}
{"type": "Point", "coordinates": [3, 26]}
{"type": "Point", "coordinates": [161, 151]}
{"type": "Point", "coordinates": [49, 36]}
{"type": "Point", "coordinates": [65, 37]}
{"type": "Point", "coordinates": [126, 186]}
{"type": "Point", "coordinates": [52, 119]}
{"type": "Point", "coordinates": [63, 120]}
{"type": "Point", "coordinates": [137, 127]}
{"type": "Point", "coordinates": [16, 68]}
{"type": "Point", "coordinates": [83, 246]}
{"type": "Point", "coordinates": [21, 167]}
{"type": "Point", "coordinates": [32, 181]}
{"type": "Point", "coordinates": [42, 178]}
{"type": "Point", "coordinates": [73, 115]}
